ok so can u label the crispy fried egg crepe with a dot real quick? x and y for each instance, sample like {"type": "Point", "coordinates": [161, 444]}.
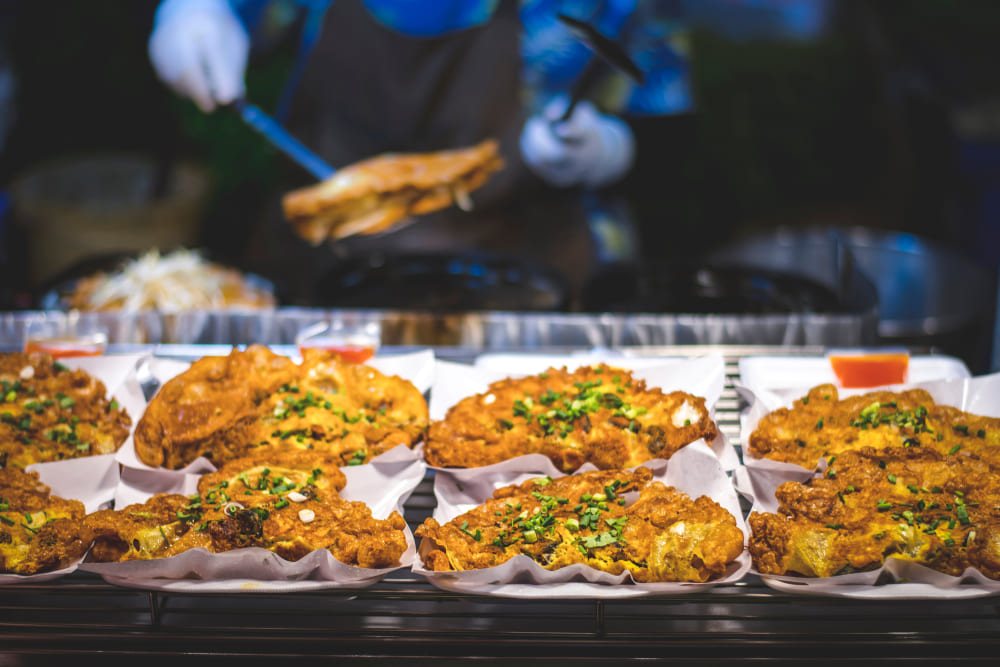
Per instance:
{"type": "Point", "coordinates": [257, 401]}
{"type": "Point", "coordinates": [821, 424]}
{"type": "Point", "coordinates": [940, 510]}
{"type": "Point", "coordinates": [50, 413]}
{"type": "Point", "coordinates": [39, 532]}
{"type": "Point", "coordinates": [350, 411]}
{"type": "Point", "coordinates": [373, 195]}
{"type": "Point", "coordinates": [596, 413]}
{"type": "Point", "coordinates": [286, 503]}
{"type": "Point", "coordinates": [587, 518]}
{"type": "Point", "coordinates": [189, 413]}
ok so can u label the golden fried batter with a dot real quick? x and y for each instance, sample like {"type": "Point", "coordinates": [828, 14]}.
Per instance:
{"type": "Point", "coordinates": [350, 411]}
{"type": "Point", "coordinates": [586, 518]}
{"type": "Point", "coordinates": [597, 413]}
{"type": "Point", "coordinates": [186, 416]}
{"type": "Point", "coordinates": [146, 530]}
{"type": "Point", "coordinates": [39, 532]}
{"type": "Point", "coordinates": [822, 425]}
{"type": "Point", "coordinates": [373, 195]}
{"type": "Point", "coordinates": [50, 413]}
{"type": "Point", "coordinates": [286, 503]}
{"type": "Point", "coordinates": [940, 510]}
{"type": "Point", "coordinates": [228, 407]}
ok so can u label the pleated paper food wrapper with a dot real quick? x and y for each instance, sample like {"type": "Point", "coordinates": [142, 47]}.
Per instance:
{"type": "Point", "coordinates": [896, 579]}
{"type": "Point", "coordinates": [90, 479]}
{"type": "Point", "coordinates": [383, 487]}
{"type": "Point", "coordinates": [699, 376]}
{"type": "Point", "coordinates": [695, 470]}
{"type": "Point", "coordinates": [417, 367]}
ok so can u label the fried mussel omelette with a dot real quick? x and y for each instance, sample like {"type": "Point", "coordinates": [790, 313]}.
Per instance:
{"type": "Point", "coordinates": [288, 503]}
{"type": "Point", "coordinates": [51, 413]}
{"type": "Point", "coordinates": [255, 401]}
{"type": "Point", "coordinates": [911, 503]}
{"type": "Point", "coordinates": [820, 424]}
{"type": "Point", "coordinates": [377, 194]}
{"type": "Point", "coordinates": [595, 414]}
{"type": "Point", "coordinates": [39, 532]}
{"type": "Point", "coordinates": [592, 518]}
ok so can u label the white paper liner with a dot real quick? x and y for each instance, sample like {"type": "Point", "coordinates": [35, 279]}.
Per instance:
{"type": "Point", "coordinates": [699, 376]}
{"type": "Point", "coordinates": [529, 364]}
{"type": "Point", "coordinates": [896, 580]}
{"type": "Point", "coordinates": [761, 477]}
{"type": "Point", "coordinates": [7, 579]}
{"type": "Point", "coordinates": [695, 470]}
{"type": "Point", "coordinates": [91, 479]}
{"type": "Point", "coordinates": [383, 487]}
{"type": "Point", "coordinates": [783, 378]}
{"type": "Point", "coordinates": [417, 367]}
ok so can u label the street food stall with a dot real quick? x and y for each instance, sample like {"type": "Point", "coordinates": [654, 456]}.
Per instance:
{"type": "Point", "coordinates": [494, 375]}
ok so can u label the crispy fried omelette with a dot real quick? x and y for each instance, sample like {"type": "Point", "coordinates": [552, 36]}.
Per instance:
{"type": "Point", "coordinates": [373, 195]}
{"type": "Point", "coordinates": [821, 424]}
{"type": "Point", "coordinates": [287, 503]}
{"type": "Point", "coordinates": [189, 413]}
{"type": "Point", "coordinates": [257, 401]}
{"type": "Point", "coordinates": [595, 519]}
{"type": "Point", "coordinates": [39, 532]}
{"type": "Point", "coordinates": [50, 413]}
{"type": "Point", "coordinates": [596, 413]}
{"type": "Point", "coordinates": [940, 510]}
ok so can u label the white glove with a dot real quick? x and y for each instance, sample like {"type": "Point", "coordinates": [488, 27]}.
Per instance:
{"type": "Point", "coordinates": [588, 149]}
{"type": "Point", "coordinates": [199, 48]}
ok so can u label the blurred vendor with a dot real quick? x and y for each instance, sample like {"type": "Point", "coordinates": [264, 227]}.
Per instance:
{"type": "Point", "coordinates": [412, 76]}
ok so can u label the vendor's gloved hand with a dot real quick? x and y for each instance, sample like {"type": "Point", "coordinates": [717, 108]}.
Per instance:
{"type": "Point", "coordinates": [589, 148]}
{"type": "Point", "coordinates": [199, 48]}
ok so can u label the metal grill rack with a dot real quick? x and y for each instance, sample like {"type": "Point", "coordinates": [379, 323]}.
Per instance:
{"type": "Point", "coordinates": [404, 619]}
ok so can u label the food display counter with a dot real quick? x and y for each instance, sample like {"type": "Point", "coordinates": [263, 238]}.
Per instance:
{"type": "Point", "coordinates": [404, 618]}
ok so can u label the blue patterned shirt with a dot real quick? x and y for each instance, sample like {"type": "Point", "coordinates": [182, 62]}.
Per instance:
{"type": "Point", "coordinates": [651, 32]}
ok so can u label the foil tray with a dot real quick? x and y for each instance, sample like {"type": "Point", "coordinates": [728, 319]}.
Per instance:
{"type": "Point", "coordinates": [478, 330]}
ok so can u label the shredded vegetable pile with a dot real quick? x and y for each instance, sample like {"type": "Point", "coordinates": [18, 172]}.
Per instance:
{"type": "Point", "coordinates": [180, 280]}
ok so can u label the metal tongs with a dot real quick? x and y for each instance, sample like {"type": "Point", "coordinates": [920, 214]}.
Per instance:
{"type": "Point", "coordinates": [279, 137]}
{"type": "Point", "coordinates": [608, 51]}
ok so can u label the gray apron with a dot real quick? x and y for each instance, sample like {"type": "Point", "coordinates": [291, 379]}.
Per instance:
{"type": "Point", "coordinates": [368, 89]}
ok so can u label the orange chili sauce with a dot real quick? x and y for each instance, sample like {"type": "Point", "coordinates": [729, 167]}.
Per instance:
{"type": "Point", "coordinates": [355, 354]}
{"type": "Point", "coordinates": [61, 349]}
{"type": "Point", "coordinates": [870, 370]}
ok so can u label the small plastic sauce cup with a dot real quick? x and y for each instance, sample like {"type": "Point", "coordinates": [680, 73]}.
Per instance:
{"type": "Point", "coordinates": [354, 343]}
{"type": "Point", "coordinates": [356, 354]}
{"type": "Point", "coordinates": [61, 348]}
{"type": "Point", "coordinates": [869, 369]}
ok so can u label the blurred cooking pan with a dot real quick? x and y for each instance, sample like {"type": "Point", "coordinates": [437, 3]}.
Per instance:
{"type": "Point", "coordinates": [702, 289]}
{"type": "Point", "coordinates": [443, 282]}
